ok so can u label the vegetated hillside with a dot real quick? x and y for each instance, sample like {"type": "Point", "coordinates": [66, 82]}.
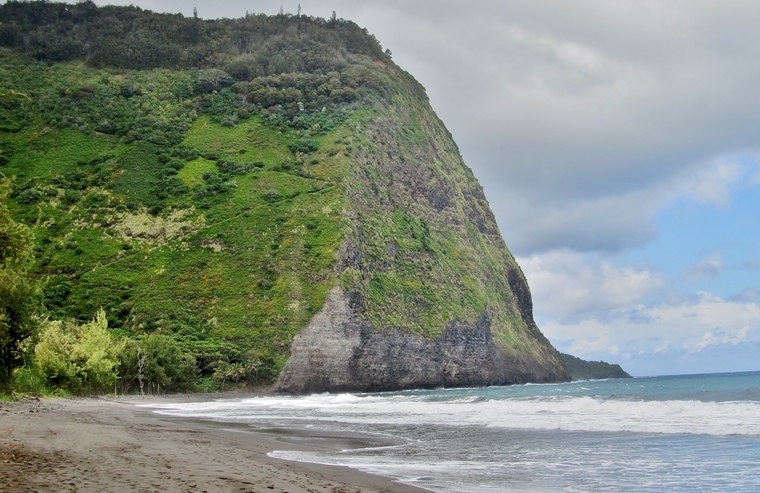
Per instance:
{"type": "Point", "coordinates": [215, 180]}
{"type": "Point", "coordinates": [592, 370]}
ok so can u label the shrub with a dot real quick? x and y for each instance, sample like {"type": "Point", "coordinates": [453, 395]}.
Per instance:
{"type": "Point", "coordinates": [303, 146]}
{"type": "Point", "coordinates": [96, 199]}
{"type": "Point", "coordinates": [71, 197]}
{"type": "Point", "coordinates": [18, 292]}
{"type": "Point", "coordinates": [29, 196]}
{"type": "Point", "coordinates": [228, 121]}
{"type": "Point", "coordinates": [272, 195]}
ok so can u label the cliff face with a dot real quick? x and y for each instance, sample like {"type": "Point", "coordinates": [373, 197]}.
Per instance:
{"type": "Point", "coordinates": [287, 205]}
{"type": "Point", "coordinates": [429, 294]}
{"type": "Point", "coordinates": [338, 351]}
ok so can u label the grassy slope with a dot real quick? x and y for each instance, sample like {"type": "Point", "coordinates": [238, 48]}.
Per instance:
{"type": "Point", "coordinates": [250, 265]}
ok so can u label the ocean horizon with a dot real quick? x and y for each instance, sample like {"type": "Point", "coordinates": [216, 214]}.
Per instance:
{"type": "Point", "coordinates": [673, 433]}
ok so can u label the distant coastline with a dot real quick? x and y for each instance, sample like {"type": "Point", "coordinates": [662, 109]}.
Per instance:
{"type": "Point", "coordinates": [580, 369]}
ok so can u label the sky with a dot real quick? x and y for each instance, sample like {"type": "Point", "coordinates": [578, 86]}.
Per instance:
{"type": "Point", "coordinates": [618, 144]}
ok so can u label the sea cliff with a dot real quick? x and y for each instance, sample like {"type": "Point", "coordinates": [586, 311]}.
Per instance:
{"type": "Point", "coordinates": [267, 199]}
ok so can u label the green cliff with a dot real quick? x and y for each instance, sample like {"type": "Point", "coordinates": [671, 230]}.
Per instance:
{"type": "Point", "coordinates": [592, 370]}
{"type": "Point", "coordinates": [236, 184]}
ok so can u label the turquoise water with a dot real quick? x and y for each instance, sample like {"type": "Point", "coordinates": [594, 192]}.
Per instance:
{"type": "Point", "coordinates": [688, 433]}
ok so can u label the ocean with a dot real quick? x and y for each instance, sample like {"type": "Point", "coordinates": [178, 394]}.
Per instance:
{"type": "Point", "coordinates": [690, 433]}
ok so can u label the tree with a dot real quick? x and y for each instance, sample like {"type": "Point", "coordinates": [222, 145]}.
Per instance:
{"type": "Point", "coordinates": [212, 79]}
{"type": "Point", "coordinates": [18, 292]}
{"type": "Point", "coordinates": [228, 371]}
{"type": "Point", "coordinates": [97, 352]}
{"type": "Point", "coordinates": [158, 361]}
{"type": "Point", "coordinates": [80, 358]}
{"type": "Point", "coordinates": [54, 355]}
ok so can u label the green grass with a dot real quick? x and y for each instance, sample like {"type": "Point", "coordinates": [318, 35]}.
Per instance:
{"type": "Point", "coordinates": [249, 141]}
{"type": "Point", "coordinates": [193, 171]}
{"type": "Point", "coordinates": [44, 152]}
{"type": "Point", "coordinates": [136, 173]}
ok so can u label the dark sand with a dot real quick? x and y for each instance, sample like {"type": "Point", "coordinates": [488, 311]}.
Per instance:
{"type": "Point", "coordinates": [111, 445]}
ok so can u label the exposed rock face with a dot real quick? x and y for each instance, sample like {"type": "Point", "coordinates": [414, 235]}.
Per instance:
{"type": "Point", "coordinates": [339, 352]}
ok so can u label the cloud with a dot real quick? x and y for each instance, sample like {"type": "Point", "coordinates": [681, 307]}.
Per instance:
{"type": "Point", "coordinates": [712, 185]}
{"type": "Point", "coordinates": [583, 129]}
{"type": "Point", "coordinates": [708, 267]}
{"type": "Point", "coordinates": [716, 338]}
{"type": "Point", "coordinates": [607, 223]}
{"type": "Point", "coordinates": [684, 328]}
{"type": "Point", "coordinates": [568, 284]}
{"type": "Point", "coordinates": [739, 337]}
{"type": "Point", "coordinates": [664, 347]}
{"type": "Point", "coordinates": [613, 222]}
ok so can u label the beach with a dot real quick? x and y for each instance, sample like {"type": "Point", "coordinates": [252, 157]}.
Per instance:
{"type": "Point", "coordinates": [680, 434]}
{"type": "Point", "coordinates": [111, 444]}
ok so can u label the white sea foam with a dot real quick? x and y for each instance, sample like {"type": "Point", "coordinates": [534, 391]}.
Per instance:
{"type": "Point", "coordinates": [536, 413]}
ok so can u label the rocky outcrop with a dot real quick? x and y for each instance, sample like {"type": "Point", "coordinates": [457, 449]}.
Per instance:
{"type": "Point", "coordinates": [338, 351]}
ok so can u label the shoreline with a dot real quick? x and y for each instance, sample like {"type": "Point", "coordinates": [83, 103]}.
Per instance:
{"type": "Point", "coordinates": [111, 444]}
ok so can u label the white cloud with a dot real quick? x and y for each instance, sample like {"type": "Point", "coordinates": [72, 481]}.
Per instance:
{"type": "Point", "coordinates": [739, 337]}
{"type": "Point", "coordinates": [566, 283]}
{"type": "Point", "coordinates": [659, 349]}
{"type": "Point", "coordinates": [683, 328]}
{"type": "Point", "coordinates": [708, 339]}
{"type": "Point", "coordinates": [713, 184]}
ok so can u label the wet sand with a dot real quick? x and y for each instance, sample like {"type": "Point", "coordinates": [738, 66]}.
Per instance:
{"type": "Point", "coordinates": [111, 445]}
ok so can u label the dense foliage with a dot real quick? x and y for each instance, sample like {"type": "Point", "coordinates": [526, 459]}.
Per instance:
{"type": "Point", "coordinates": [129, 37]}
{"type": "Point", "coordinates": [18, 292]}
